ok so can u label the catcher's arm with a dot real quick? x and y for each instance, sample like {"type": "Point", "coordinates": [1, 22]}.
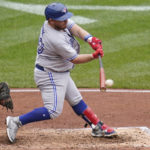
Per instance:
{"type": "Point", "coordinates": [5, 98]}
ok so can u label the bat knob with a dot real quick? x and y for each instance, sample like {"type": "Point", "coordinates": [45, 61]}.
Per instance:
{"type": "Point", "coordinates": [103, 89]}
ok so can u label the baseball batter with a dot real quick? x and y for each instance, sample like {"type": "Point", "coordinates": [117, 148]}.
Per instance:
{"type": "Point", "coordinates": [57, 52]}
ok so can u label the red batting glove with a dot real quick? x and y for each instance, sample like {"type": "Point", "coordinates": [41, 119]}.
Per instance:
{"type": "Point", "coordinates": [99, 51]}
{"type": "Point", "coordinates": [95, 43]}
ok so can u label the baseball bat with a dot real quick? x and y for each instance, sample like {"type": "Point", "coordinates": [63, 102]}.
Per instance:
{"type": "Point", "coordinates": [101, 75]}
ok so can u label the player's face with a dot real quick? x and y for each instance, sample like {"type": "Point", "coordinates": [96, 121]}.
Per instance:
{"type": "Point", "coordinates": [60, 25]}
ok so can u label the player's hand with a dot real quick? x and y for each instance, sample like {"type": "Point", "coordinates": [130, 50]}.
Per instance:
{"type": "Point", "coordinates": [98, 52]}
{"type": "Point", "coordinates": [95, 43]}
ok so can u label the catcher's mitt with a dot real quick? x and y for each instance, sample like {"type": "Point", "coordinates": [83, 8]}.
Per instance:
{"type": "Point", "coordinates": [5, 98]}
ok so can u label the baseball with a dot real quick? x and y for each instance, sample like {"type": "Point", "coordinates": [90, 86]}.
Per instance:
{"type": "Point", "coordinates": [109, 82]}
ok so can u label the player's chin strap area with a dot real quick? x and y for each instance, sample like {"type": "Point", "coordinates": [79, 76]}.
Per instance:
{"type": "Point", "coordinates": [87, 114]}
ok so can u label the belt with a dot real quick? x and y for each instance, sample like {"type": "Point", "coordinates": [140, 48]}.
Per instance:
{"type": "Point", "coordinates": [39, 67]}
{"type": "Point", "coordinates": [42, 68]}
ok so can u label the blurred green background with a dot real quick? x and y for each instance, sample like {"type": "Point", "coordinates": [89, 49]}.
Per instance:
{"type": "Point", "coordinates": [125, 36]}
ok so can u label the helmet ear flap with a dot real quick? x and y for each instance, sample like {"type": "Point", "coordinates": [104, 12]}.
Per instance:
{"type": "Point", "coordinates": [47, 14]}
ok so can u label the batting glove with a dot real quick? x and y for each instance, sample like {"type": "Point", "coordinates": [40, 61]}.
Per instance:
{"type": "Point", "coordinates": [98, 52]}
{"type": "Point", "coordinates": [95, 43]}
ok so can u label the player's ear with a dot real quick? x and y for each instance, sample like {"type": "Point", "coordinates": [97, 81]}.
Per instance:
{"type": "Point", "coordinates": [50, 20]}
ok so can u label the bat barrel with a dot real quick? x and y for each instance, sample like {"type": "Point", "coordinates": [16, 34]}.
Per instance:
{"type": "Point", "coordinates": [102, 75]}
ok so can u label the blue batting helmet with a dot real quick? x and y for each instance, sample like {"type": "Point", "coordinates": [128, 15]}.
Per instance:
{"type": "Point", "coordinates": [57, 11]}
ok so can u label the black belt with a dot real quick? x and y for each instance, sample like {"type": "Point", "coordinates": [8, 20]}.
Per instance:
{"type": "Point", "coordinates": [39, 67]}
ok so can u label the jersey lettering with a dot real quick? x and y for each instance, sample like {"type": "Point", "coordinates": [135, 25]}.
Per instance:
{"type": "Point", "coordinates": [40, 48]}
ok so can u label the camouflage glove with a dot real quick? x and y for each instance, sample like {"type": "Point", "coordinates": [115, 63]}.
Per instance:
{"type": "Point", "coordinates": [5, 98]}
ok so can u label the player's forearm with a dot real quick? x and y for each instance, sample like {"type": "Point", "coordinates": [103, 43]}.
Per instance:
{"type": "Point", "coordinates": [83, 58]}
{"type": "Point", "coordinates": [79, 32]}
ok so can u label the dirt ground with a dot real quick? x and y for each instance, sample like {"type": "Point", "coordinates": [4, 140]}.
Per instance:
{"type": "Point", "coordinates": [67, 132]}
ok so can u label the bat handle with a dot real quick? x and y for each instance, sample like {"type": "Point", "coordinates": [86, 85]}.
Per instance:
{"type": "Point", "coordinates": [100, 61]}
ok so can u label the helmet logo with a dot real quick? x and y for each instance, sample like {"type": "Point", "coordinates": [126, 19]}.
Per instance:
{"type": "Point", "coordinates": [64, 10]}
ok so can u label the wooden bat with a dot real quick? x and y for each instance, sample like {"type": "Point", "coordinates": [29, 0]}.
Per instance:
{"type": "Point", "coordinates": [101, 75]}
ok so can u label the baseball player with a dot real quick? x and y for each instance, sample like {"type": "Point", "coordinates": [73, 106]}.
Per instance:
{"type": "Point", "coordinates": [57, 52]}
